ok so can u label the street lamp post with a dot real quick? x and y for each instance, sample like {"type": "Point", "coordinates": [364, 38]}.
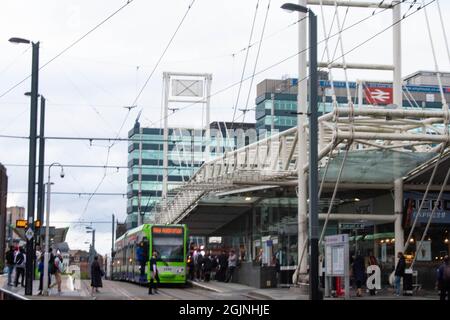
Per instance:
{"type": "Point", "coordinates": [31, 161]}
{"type": "Point", "coordinates": [47, 227]}
{"type": "Point", "coordinates": [91, 247]}
{"type": "Point", "coordinates": [41, 191]}
{"type": "Point", "coordinates": [314, 292]}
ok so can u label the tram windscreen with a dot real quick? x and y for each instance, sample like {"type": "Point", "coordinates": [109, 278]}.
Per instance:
{"type": "Point", "coordinates": [170, 247]}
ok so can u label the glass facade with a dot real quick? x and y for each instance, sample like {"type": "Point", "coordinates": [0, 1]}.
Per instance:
{"type": "Point", "coordinates": [285, 100]}
{"type": "Point", "coordinates": [185, 156]}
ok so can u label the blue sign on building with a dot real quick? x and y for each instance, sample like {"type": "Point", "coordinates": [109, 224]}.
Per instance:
{"type": "Point", "coordinates": [413, 201]}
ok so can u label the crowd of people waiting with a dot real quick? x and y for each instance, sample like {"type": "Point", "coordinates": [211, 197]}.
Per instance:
{"type": "Point", "coordinates": [204, 265]}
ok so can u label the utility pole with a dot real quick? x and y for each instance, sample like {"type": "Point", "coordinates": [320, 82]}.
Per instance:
{"type": "Point", "coordinates": [112, 247]}
{"type": "Point", "coordinates": [313, 159]}
{"type": "Point", "coordinates": [41, 190]}
{"type": "Point", "coordinates": [32, 169]}
{"type": "Point", "coordinates": [93, 240]}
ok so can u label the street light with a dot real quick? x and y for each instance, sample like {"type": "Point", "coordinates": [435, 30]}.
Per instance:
{"type": "Point", "coordinates": [91, 247]}
{"type": "Point", "coordinates": [314, 293]}
{"type": "Point", "coordinates": [31, 161]}
{"type": "Point", "coordinates": [41, 191]}
{"type": "Point", "coordinates": [47, 226]}
{"type": "Point", "coordinates": [91, 230]}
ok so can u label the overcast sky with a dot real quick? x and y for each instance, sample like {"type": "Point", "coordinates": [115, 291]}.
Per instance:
{"type": "Point", "coordinates": [87, 87]}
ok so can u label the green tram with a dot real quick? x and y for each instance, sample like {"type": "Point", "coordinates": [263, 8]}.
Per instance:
{"type": "Point", "coordinates": [137, 245]}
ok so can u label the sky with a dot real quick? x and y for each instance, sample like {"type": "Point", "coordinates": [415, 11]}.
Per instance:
{"type": "Point", "coordinates": [88, 85]}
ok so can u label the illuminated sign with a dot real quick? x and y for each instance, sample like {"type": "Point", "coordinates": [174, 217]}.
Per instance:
{"type": "Point", "coordinates": [21, 224]}
{"type": "Point", "coordinates": [167, 230]}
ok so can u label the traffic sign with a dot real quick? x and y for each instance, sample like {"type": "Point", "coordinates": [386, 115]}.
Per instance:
{"type": "Point", "coordinates": [351, 225]}
{"type": "Point", "coordinates": [21, 224]}
{"type": "Point", "coordinates": [29, 233]}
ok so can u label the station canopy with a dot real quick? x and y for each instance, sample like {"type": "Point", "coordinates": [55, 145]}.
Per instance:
{"type": "Point", "coordinates": [374, 166]}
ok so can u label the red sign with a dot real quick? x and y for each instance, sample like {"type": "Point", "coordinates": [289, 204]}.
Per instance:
{"type": "Point", "coordinates": [378, 96]}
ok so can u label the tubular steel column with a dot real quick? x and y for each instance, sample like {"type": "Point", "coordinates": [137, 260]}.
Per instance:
{"type": "Point", "coordinates": [398, 210]}
{"type": "Point", "coordinates": [302, 109]}
{"type": "Point", "coordinates": [165, 141]}
{"type": "Point", "coordinates": [397, 53]}
{"type": "Point", "coordinates": [41, 191]}
{"type": "Point", "coordinates": [313, 166]}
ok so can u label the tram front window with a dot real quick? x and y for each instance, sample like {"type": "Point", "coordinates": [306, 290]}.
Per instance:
{"type": "Point", "coordinates": [169, 248]}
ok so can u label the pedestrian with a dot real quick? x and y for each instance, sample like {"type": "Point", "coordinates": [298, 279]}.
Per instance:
{"type": "Point", "coordinates": [399, 271]}
{"type": "Point", "coordinates": [359, 273]}
{"type": "Point", "coordinates": [207, 267]}
{"type": "Point", "coordinates": [444, 279]}
{"type": "Point", "coordinates": [51, 266]}
{"type": "Point", "coordinates": [58, 269]}
{"type": "Point", "coordinates": [20, 263]}
{"type": "Point", "coordinates": [197, 262]}
{"type": "Point", "coordinates": [154, 280]}
{"type": "Point", "coordinates": [10, 264]}
{"type": "Point", "coordinates": [232, 263]}
{"type": "Point", "coordinates": [96, 275]}
{"type": "Point", "coordinates": [199, 266]}
{"type": "Point", "coordinates": [191, 267]}
{"type": "Point", "coordinates": [372, 262]}
{"type": "Point", "coordinates": [222, 266]}
{"type": "Point", "coordinates": [41, 274]}
{"type": "Point", "coordinates": [276, 264]}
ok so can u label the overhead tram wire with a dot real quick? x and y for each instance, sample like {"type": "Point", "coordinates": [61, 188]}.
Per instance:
{"type": "Point", "coordinates": [70, 46]}
{"type": "Point", "coordinates": [291, 57]}
{"type": "Point", "coordinates": [256, 62]}
{"type": "Point", "coordinates": [334, 60]}
{"type": "Point", "coordinates": [137, 98]}
{"type": "Point", "coordinates": [245, 62]}
{"type": "Point", "coordinates": [109, 139]}
{"type": "Point", "coordinates": [76, 193]}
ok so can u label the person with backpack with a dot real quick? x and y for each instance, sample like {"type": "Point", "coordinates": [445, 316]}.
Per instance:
{"type": "Point", "coordinates": [58, 268]}
{"type": "Point", "coordinates": [20, 262]}
{"type": "Point", "coordinates": [10, 264]}
{"type": "Point", "coordinates": [444, 279]}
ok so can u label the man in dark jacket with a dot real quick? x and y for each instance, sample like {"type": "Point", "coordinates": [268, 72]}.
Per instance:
{"type": "Point", "coordinates": [96, 275]}
{"type": "Point", "coordinates": [20, 262]}
{"type": "Point", "coordinates": [10, 263]}
{"type": "Point", "coordinates": [223, 264]}
{"type": "Point", "coordinates": [359, 273]}
{"type": "Point", "coordinates": [444, 279]}
{"type": "Point", "coordinates": [399, 272]}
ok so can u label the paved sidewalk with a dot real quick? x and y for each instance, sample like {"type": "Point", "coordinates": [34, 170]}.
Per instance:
{"type": "Point", "coordinates": [294, 293]}
{"type": "Point", "coordinates": [67, 289]}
